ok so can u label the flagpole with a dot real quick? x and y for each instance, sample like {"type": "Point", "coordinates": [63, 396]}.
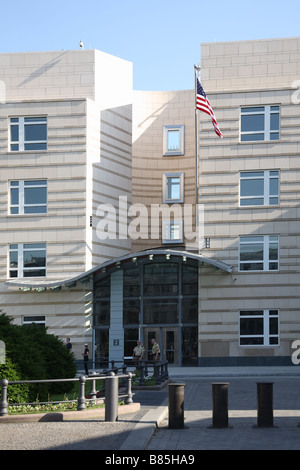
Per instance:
{"type": "Point", "coordinates": [196, 70]}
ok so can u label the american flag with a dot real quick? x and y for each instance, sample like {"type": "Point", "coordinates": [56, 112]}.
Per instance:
{"type": "Point", "coordinates": [204, 105]}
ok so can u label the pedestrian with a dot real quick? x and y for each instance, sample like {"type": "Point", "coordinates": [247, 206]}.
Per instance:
{"type": "Point", "coordinates": [138, 352]}
{"type": "Point", "coordinates": [69, 345]}
{"type": "Point", "coordinates": [155, 350]}
{"type": "Point", "coordinates": [86, 358]}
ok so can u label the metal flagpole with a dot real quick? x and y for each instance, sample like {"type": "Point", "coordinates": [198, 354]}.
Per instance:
{"type": "Point", "coordinates": [196, 71]}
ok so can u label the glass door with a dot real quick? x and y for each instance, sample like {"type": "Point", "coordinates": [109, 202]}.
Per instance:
{"type": "Point", "coordinates": [167, 338]}
{"type": "Point", "coordinates": [170, 345]}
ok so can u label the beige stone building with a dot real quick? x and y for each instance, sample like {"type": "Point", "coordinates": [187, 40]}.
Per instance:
{"type": "Point", "coordinates": [87, 168]}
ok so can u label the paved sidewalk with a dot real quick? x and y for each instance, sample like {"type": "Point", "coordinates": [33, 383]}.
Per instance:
{"type": "Point", "coordinates": [242, 432]}
{"type": "Point", "coordinates": [148, 428]}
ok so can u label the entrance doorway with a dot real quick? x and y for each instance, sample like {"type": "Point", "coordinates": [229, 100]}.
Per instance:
{"type": "Point", "coordinates": [167, 338]}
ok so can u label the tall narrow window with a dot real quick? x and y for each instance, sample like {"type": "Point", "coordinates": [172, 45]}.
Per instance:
{"type": "Point", "coordinates": [173, 189]}
{"type": "Point", "coordinates": [172, 231]}
{"type": "Point", "coordinates": [173, 140]}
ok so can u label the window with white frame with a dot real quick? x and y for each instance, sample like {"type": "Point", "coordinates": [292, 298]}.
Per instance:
{"type": "Point", "coordinates": [27, 260]}
{"type": "Point", "coordinates": [172, 231]}
{"type": "Point", "coordinates": [259, 253]}
{"type": "Point", "coordinates": [28, 197]}
{"type": "Point", "coordinates": [259, 328]}
{"type": "Point", "coordinates": [259, 188]}
{"type": "Point", "coordinates": [173, 140]}
{"type": "Point", "coordinates": [173, 189]}
{"type": "Point", "coordinates": [28, 133]}
{"type": "Point", "coordinates": [260, 123]}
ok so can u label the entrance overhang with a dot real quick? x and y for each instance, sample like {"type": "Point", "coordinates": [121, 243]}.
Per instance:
{"type": "Point", "coordinates": [116, 263]}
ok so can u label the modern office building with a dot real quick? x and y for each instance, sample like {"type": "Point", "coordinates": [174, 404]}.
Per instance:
{"type": "Point", "coordinates": [99, 185]}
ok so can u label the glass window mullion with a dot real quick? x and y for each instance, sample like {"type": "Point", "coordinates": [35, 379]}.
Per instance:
{"type": "Point", "coordinates": [21, 134]}
{"type": "Point", "coordinates": [266, 328]}
{"type": "Point", "coordinates": [21, 197]}
{"type": "Point", "coordinates": [20, 260]}
{"type": "Point", "coordinates": [267, 123]}
{"type": "Point", "coordinates": [266, 188]}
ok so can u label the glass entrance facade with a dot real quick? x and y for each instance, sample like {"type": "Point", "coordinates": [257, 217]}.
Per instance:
{"type": "Point", "coordinates": [159, 298]}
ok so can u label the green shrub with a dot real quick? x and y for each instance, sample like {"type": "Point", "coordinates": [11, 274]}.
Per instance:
{"type": "Point", "coordinates": [37, 356]}
{"type": "Point", "coordinates": [17, 393]}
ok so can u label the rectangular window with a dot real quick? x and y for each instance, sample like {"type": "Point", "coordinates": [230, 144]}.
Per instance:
{"type": "Point", "coordinates": [259, 188]}
{"type": "Point", "coordinates": [259, 253]}
{"type": "Point", "coordinates": [28, 197]}
{"type": "Point", "coordinates": [28, 133]}
{"type": "Point", "coordinates": [27, 260]}
{"type": "Point", "coordinates": [259, 328]}
{"type": "Point", "coordinates": [36, 319]}
{"type": "Point", "coordinates": [173, 140]}
{"type": "Point", "coordinates": [173, 187]}
{"type": "Point", "coordinates": [172, 232]}
{"type": "Point", "coordinates": [260, 123]}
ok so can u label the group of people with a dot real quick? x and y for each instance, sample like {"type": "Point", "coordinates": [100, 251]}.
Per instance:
{"type": "Point", "coordinates": [138, 352]}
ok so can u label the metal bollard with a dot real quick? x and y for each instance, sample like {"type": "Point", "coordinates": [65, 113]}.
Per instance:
{"type": "Point", "coordinates": [93, 391]}
{"type": "Point", "coordinates": [220, 405]}
{"type": "Point", "coordinates": [3, 403]}
{"type": "Point", "coordinates": [128, 399]}
{"type": "Point", "coordinates": [111, 398]}
{"type": "Point", "coordinates": [176, 406]}
{"type": "Point", "coordinates": [81, 399]}
{"type": "Point", "coordinates": [265, 404]}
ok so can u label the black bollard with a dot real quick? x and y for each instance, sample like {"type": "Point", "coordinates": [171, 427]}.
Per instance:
{"type": "Point", "coordinates": [111, 398]}
{"type": "Point", "coordinates": [220, 405]}
{"type": "Point", "coordinates": [265, 404]}
{"type": "Point", "coordinates": [176, 406]}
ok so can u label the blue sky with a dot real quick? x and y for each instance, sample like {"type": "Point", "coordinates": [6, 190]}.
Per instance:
{"type": "Point", "coordinates": [161, 37]}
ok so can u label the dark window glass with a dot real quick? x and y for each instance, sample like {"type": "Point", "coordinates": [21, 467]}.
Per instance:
{"type": "Point", "coordinates": [102, 312]}
{"type": "Point", "coordinates": [102, 288]}
{"type": "Point", "coordinates": [190, 310]}
{"type": "Point", "coordinates": [131, 311]}
{"type": "Point", "coordinates": [251, 326]}
{"type": "Point", "coordinates": [161, 279]}
{"type": "Point", "coordinates": [35, 132]}
{"type": "Point", "coordinates": [189, 345]}
{"type": "Point", "coordinates": [131, 336]}
{"type": "Point", "coordinates": [131, 282]}
{"type": "Point", "coordinates": [160, 311]}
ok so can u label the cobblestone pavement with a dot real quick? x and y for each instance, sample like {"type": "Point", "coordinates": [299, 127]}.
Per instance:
{"type": "Point", "coordinates": [242, 432]}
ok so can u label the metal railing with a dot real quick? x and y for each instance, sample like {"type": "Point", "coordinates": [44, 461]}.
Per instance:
{"type": "Point", "coordinates": [158, 369]}
{"type": "Point", "coordinates": [111, 392]}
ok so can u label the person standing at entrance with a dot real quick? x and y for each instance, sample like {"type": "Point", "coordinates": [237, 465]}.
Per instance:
{"type": "Point", "coordinates": [138, 352]}
{"type": "Point", "coordinates": [155, 350]}
{"type": "Point", "coordinates": [86, 358]}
